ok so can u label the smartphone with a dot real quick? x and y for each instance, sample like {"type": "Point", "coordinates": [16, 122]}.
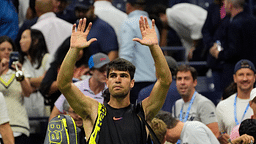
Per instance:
{"type": "Point", "coordinates": [14, 56]}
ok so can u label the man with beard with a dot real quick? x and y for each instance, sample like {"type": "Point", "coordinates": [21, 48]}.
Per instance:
{"type": "Point", "coordinates": [233, 110]}
{"type": "Point", "coordinates": [193, 106]}
{"type": "Point", "coordinates": [115, 122]}
{"type": "Point", "coordinates": [101, 30]}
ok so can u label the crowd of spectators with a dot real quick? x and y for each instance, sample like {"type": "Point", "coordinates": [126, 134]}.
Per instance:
{"type": "Point", "coordinates": [223, 36]}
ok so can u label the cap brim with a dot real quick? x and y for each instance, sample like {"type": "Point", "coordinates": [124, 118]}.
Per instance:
{"type": "Point", "coordinates": [253, 94]}
{"type": "Point", "coordinates": [101, 64]}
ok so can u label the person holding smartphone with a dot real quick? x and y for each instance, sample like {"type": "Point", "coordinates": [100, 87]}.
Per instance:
{"type": "Point", "coordinates": [14, 92]}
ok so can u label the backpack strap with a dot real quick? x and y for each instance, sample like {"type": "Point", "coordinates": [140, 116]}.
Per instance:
{"type": "Point", "coordinates": [102, 111]}
{"type": "Point", "coordinates": [140, 114]}
{"type": "Point", "coordinates": [71, 128]}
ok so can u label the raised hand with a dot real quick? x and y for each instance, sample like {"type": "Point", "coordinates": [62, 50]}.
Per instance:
{"type": "Point", "coordinates": [149, 36]}
{"type": "Point", "coordinates": [79, 37]}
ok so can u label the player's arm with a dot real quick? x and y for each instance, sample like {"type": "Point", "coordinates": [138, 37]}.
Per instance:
{"type": "Point", "coordinates": [155, 101]}
{"type": "Point", "coordinates": [83, 105]}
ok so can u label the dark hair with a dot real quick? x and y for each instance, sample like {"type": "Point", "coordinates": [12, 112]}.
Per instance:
{"type": "Point", "coordinates": [254, 99]}
{"type": "Point", "coordinates": [229, 90]}
{"type": "Point", "coordinates": [186, 68]}
{"type": "Point", "coordinates": [158, 9]}
{"type": "Point", "coordinates": [32, 4]}
{"type": "Point", "coordinates": [168, 119]}
{"type": "Point", "coordinates": [248, 127]}
{"type": "Point", "coordinates": [106, 96]}
{"type": "Point", "coordinates": [37, 48]}
{"type": "Point", "coordinates": [138, 4]}
{"type": "Point", "coordinates": [121, 65]}
{"type": "Point", "coordinates": [63, 50]}
{"type": "Point", "coordinates": [8, 39]}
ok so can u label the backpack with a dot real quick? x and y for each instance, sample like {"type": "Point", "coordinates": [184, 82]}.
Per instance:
{"type": "Point", "coordinates": [61, 130]}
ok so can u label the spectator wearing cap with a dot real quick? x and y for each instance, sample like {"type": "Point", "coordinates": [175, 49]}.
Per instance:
{"type": "Point", "coordinates": [233, 110]}
{"type": "Point", "coordinates": [65, 10]}
{"type": "Point", "coordinates": [132, 51]}
{"type": "Point", "coordinates": [172, 95]}
{"type": "Point", "coordinates": [101, 30]}
{"type": "Point", "coordinates": [54, 29]}
{"type": "Point", "coordinates": [93, 86]}
{"type": "Point", "coordinates": [253, 103]}
{"type": "Point", "coordinates": [107, 12]}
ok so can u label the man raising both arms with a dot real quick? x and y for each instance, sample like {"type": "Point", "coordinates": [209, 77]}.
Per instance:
{"type": "Point", "coordinates": [115, 122]}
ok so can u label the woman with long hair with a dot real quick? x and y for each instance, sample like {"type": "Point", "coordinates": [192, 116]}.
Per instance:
{"type": "Point", "coordinates": [36, 61]}
{"type": "Point", "coordinates": [14, 92]}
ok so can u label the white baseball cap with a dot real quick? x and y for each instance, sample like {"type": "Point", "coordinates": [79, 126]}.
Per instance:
{"type": "Point", "coordinates": [253, 94]}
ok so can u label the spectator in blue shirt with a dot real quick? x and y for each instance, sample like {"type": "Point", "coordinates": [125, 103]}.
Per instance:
{"type": "Point", "coordinates": [105, 34]}
{"type": "Point", "coordinates": [9, 21]}
{"type": "Point", "coordinates": [132, 51]}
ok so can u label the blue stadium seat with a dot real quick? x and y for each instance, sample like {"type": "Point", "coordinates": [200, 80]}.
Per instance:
{"type": "Point", "coordinates": [205, 87]}
{"type": "Point", "coordinates": [178, 52]}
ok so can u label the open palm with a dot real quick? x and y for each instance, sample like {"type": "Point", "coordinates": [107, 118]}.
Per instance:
{"type": "Point", "coordinates": [149, 36]}
{"type": "Point", "coordinates": [79, 37]}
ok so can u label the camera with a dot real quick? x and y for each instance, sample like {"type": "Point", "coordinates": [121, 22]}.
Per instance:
{"type": "Point", "coordinates": [14, 56]}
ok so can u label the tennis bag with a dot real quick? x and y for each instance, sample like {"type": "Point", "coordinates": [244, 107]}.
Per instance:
{"type": "Point", "coordinates": [61, 130]}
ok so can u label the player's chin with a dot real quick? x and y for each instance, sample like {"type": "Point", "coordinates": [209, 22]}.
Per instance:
{"type": "Point", "coordinates": [120, 95]}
